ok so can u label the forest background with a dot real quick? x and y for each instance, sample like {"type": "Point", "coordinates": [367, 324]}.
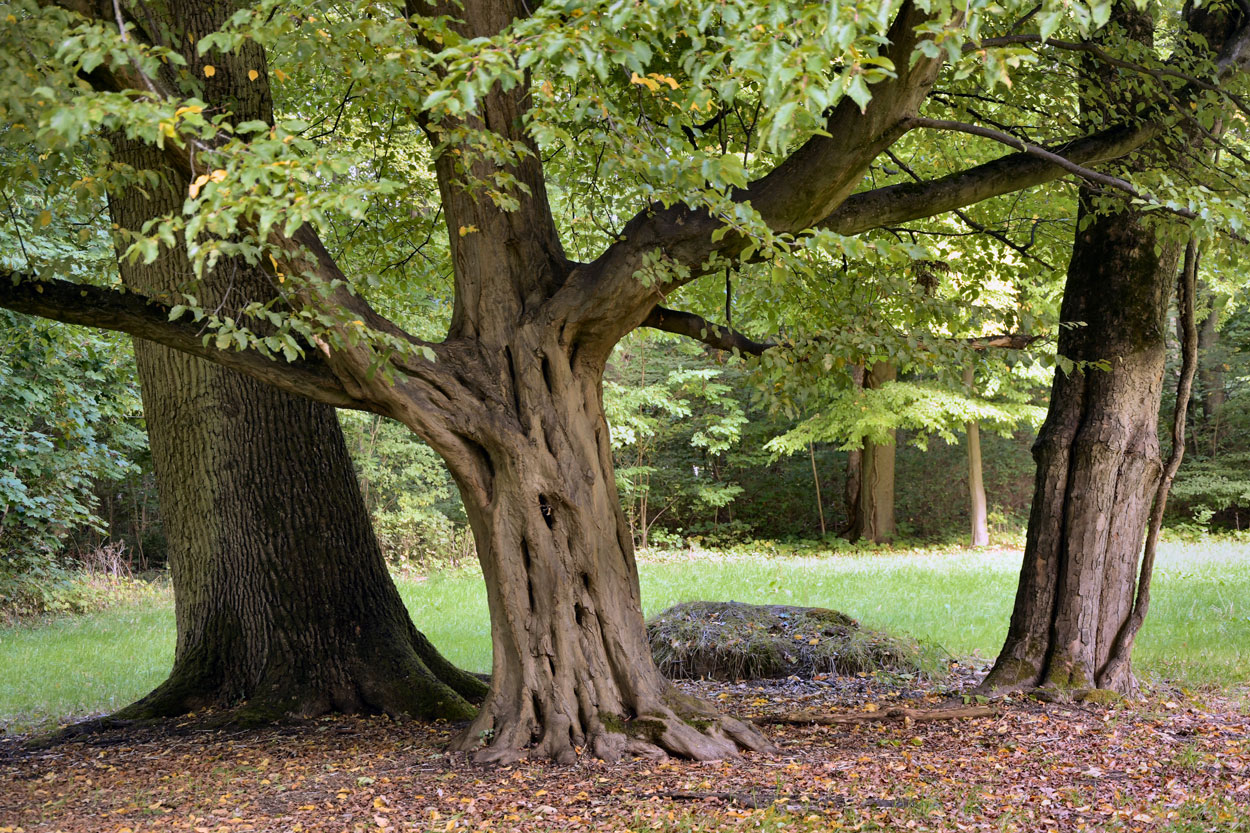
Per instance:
{"type": "Point", "coordinates": [701, 451]}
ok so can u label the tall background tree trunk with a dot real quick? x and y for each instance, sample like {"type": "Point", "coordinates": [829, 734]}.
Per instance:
{"type": "Point", "coordinates": [282, 597]}
{"type": "Point", "coordinates": [1097, 458]}
{"type": "Point", "coordinates": [875, 512]}
{"type": "Point", "coordinates": [977, 510]}
{"type": "Point", "coordinates": [854, 473]}
{"type": "Point", "coordinates": [1211, 375]}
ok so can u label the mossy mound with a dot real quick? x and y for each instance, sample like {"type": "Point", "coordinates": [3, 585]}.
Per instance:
{"type": "Point", "coordinates": [737, 641]}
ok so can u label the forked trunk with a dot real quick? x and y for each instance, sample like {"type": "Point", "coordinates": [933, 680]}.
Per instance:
{"type": "Point", "coordinates": [1098, 463]}
{"type": "Point", "coordinates": [572, 665]}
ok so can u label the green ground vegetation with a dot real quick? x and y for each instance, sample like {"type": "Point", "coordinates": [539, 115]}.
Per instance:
{"type": "Point", "coordinates": [1198, 633]}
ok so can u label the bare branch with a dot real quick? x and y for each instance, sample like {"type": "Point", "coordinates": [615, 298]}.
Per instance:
{"type": "Point", "coordinates": [725, 338]}
{"type": "Point", "coordinates": [700, 329]}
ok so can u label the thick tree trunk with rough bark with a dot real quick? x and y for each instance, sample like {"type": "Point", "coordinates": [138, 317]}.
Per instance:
{"type": "Point", "coordinates": [282, 599]}
{"type": "Point", "coordinates": [875, 513]}
{"type": "Point", "coordinates": [1098, 461]}
{"type": "Point", "coordinates": [572, 665]}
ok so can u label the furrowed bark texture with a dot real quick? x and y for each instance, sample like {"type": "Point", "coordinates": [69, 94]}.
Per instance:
{"type": "Point", "coordinates": [1097, 459]}
{"type": "Point", "coordinates": [282, 598]}
{"type": "Point", "coordinates": [572, 666]}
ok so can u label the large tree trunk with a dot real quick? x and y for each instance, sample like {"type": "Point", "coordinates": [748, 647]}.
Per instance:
{"type": "Point", "coordinates": [875, 513]}
{"type": "Point", "coordinates": [282, 598]}
{"type": "Point", "coordinates": [1098, 461]}
{"type": "Point", "coordinates": [572, 665]}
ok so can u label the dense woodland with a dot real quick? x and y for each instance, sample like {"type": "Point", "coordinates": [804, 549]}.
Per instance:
{"type": "Point", "coordinates": [585, 277]}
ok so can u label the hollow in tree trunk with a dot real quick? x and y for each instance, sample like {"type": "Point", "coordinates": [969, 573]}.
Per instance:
{"type": "Point", "coordinates": [1097, 459]}
{"type": "Point", "coordinates": [283, 602]}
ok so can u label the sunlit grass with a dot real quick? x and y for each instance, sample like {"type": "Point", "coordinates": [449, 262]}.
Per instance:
{"type": "Point", "coordinates": [1198, 632]}
{"type": "Point", "coordinates": [78, 665]}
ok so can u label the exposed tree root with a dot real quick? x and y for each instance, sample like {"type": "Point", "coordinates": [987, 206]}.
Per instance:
{"type": "Point", "coordinates": [897, 714]}
{"type": "Point", "coordinates": [689, 729]}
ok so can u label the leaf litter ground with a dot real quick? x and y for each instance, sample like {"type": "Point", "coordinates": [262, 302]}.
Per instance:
{"type": "Point", "coordinates": [1162, 765]}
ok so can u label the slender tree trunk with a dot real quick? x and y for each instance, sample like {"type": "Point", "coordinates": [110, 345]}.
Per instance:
{"type": "Point", "coordinates": [1097, 461]}
{"type": "Point", "coordinates": [282, 598]}
{"type": "Point", "coordinates": [820, 506]}
{"type": "Point", "coordinates": [854, 473]}
{"type": "Point", "coordinates": [875, 520]}
{"type": "Point", "coordinates": [572, 665]}
{"type": "Point", "coordinates": [1211, 378]}
{"type": "Point", "coordinates": [977, 510]}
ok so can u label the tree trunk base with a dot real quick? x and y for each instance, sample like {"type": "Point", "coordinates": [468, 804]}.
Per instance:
{"type": "Point", "coordinates": [404, 685]}
{"type": "Point", "coordinates": [684, 727]}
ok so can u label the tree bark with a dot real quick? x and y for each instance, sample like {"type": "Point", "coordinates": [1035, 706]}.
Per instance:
{"type": "Point", "coordinates": [1211, 376]}
{"type": "Point", "coordinates": [977, 510]}
{"type": "Point", "coordinates": [572, 666]}
{"type": "Point", "coordinates": [875, 518]}
{"type": "Point", "coordinates": [851, 484]}
{"type": "Point", "coordinates": [282, 599]}
{"type": "Point", "coordinates": [1097, 458]}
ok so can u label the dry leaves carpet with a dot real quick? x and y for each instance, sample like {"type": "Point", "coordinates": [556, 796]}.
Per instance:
{"type": "Point", "coordinates": [1166, 765]}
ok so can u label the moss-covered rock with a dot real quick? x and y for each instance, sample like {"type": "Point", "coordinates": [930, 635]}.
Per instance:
{"type": "Point", "coordinates": [737, 641]}
{"type": "Point", "coordinates": [1101, 697]}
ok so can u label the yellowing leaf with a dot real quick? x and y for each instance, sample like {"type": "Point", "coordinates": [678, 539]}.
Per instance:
{"type": "Point", "coordinates": [650, 84]}
{"type": "Point", "coordinates": [252, 75]}
{"type": "Point", "coordinates": [209, 70]}
{"type": "Point", "coordinates": [199, 183]}
{"type": "Point", "coordinates": [193, 108]}
{"type": "Point", "coordinates": [467, 230]}
{"type": "Point", "coordinates": [45, 218]}
{"type": "Point", "coordinates": [281, 76]}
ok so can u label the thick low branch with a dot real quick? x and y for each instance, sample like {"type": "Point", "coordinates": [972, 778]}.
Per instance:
{"type": "Point", "coordinates": [908, 201]}
{"type": "Point", "coordinates": [899, 714]}
{"type": "Point", "coordinates": [700, 329]}
{"type": "Point", "coordinates": [1068, 165]}
{"type": "Point", "coordinates": [128, 312]}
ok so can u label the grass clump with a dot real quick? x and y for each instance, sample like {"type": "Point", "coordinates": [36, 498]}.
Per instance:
{"type": "Point", "coordinates": [737, 641]}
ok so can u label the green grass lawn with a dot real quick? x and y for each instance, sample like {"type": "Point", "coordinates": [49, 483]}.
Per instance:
{"type": "Point", "coordinates": [1198, 632]}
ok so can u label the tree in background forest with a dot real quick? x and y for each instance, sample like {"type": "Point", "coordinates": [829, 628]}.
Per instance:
{"type": "Point", "coordinates": [592, 162]}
